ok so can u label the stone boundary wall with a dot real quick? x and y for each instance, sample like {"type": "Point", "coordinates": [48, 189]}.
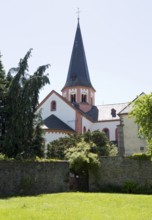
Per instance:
{"type": "Point", "coordinates": [116, 171]}
{"type": "Point", "coordinates": [29, 178]}
{"type": "Point", "coordinates": [32, 178]}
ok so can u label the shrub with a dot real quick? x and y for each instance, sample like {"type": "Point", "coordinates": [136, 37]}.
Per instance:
{"type": "Point", "coordinates": [141, 156]}
{"type": "Point", "coordinates": [81, 158]}
{"type": "Point", "coordinates": [56, 148]}
{"type": "Point", "coordinates": [113, 150]}
{"type": "Point", "coordinates": [2, 157]}
{"type": "Point", "coordinates": [130, 187]}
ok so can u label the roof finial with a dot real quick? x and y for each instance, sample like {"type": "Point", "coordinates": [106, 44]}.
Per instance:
{"type": "Point", "coordinates": [78, 12]}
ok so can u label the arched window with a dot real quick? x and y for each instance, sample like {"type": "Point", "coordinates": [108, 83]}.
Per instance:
{"type": "Point", "coordinates": [107, 133]}
{"type": "Point", "coordinates": [53, 106]}
{"type": "Point", "coordinates": [84, 129]}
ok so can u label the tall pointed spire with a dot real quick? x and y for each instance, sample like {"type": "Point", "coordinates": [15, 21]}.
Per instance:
{"type": "Point", "coordinates": [78, 74]}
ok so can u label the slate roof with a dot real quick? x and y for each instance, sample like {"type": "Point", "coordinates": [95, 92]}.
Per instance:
{"type": "Point", "coordinates": [127, 109]}
{"type": "Point", "coordinates": [93, 113]}
{"type": "Point", "coordinates": [78, 73]}
{"type": "Point", "coordinates": [105, 111]}
{"type": "Point", "coordinates": [54, 123]}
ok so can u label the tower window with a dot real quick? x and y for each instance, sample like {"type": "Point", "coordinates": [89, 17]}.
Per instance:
{"type": "Point", "coordinates": [84, 98]}
{"type": "Point", "coordinates": [73, 98]}
{"type": "Point", "coordinates": [53, 106]}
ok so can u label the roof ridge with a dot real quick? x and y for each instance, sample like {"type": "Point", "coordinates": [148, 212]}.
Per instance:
{"type": "Point", "coordinates": [114, 104]}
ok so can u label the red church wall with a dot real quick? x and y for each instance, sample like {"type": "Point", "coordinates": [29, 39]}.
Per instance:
{"type": "Point", "coordinates": [78, 124]}
{"type": "Point", "coordinates": [85, 107]}
{"type": "Point", "coordinates": [90, 94]}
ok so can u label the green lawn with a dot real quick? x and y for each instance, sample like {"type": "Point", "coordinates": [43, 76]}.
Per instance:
{"type": "Point", "coordinates": [76, 206]}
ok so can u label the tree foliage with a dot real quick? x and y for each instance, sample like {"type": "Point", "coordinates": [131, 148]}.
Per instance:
{"type": "Point", "coordinates": [24, 135]}
{"type": "Point", "coordinates": [3, 86]}
{"type": "Point", "coordinates": [100, 140]}
{"type": "Point", "coordinates": [81, 158]}
{"type": "Point", "coordinates": [2, 75]}
{"type": "Point", "coordinates": [142, 114]}
{"type": "Point", "coordinates": [56, 149]}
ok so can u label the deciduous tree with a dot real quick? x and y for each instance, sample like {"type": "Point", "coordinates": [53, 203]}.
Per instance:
{"type": "Point", "coordinates": [142, 114]}
{"type": "Point", "coordinates": [56, 149]}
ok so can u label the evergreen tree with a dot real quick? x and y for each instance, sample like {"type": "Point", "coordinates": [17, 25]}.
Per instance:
{"type": "Point", "coordinates": [2, 103]}
{"type": "Point", "coordinates": [24, 136]}
{"type": "Point", "coordinates": [2, 72]}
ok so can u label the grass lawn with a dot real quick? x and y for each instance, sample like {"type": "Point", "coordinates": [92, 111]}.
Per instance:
{"type": "Point", "coordinates": [77, 206]}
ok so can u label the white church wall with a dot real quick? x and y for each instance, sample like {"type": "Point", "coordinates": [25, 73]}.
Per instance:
{"type": "Point", "coordinates": [63, 111]}
{"type": "Point", "coordinates": [87, 124]}
{"type": "Point", "coordinates": [51, 136]}
{"type": "Point", "coordinates": [133, 143]}
{"type": "Point", "coordinates": [111, 125]}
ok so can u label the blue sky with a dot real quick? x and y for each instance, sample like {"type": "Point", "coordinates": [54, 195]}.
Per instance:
{"type": "Point", "coordinates": [117, 37]}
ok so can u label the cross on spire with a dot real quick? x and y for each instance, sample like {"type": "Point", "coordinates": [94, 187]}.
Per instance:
{"type": "Point", "coordinates": [78, 12]}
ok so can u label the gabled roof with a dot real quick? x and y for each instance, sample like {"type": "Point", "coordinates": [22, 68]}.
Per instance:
{"type": "Point", "coordinates": [128, 107]}
{"type": "Point", "coordinates": [78, 74]}
{"type": "Point", "coordinates": [61, 97]}
{"type": "Point", "coordinates": [72, 105]}
{"type": "Point", "coordinates": [54, 123]}
{"type": "Point", "coordinates": [126, 110]}
{"type": "Point", "coordinates": [105, 111]}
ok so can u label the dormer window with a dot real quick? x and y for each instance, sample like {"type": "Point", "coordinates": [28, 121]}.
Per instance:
{"type": "Point", "coordinates": [84, 98]}
{"type": "Point", "coordinates": [53, 106]}
{"type": "Point", "coordinates": [113, 113]}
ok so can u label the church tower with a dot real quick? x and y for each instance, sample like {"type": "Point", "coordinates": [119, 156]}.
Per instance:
{"type": "Point", "coordinates": [78, 88]}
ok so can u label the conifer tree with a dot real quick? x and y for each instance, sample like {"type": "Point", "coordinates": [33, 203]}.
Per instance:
{"type": "Point", "coordinates": [2, 72]}
{"type": "Point", "coordinates": [2, 102]}
{"type": "Point", "coordinates": [24, 135]}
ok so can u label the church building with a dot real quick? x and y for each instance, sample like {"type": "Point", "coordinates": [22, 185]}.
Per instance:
{"type": "Point", "coordinates": [75, 111]}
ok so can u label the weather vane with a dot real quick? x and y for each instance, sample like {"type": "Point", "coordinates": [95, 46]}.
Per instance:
{"type": "Point", "coordinates": [78, 12]}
